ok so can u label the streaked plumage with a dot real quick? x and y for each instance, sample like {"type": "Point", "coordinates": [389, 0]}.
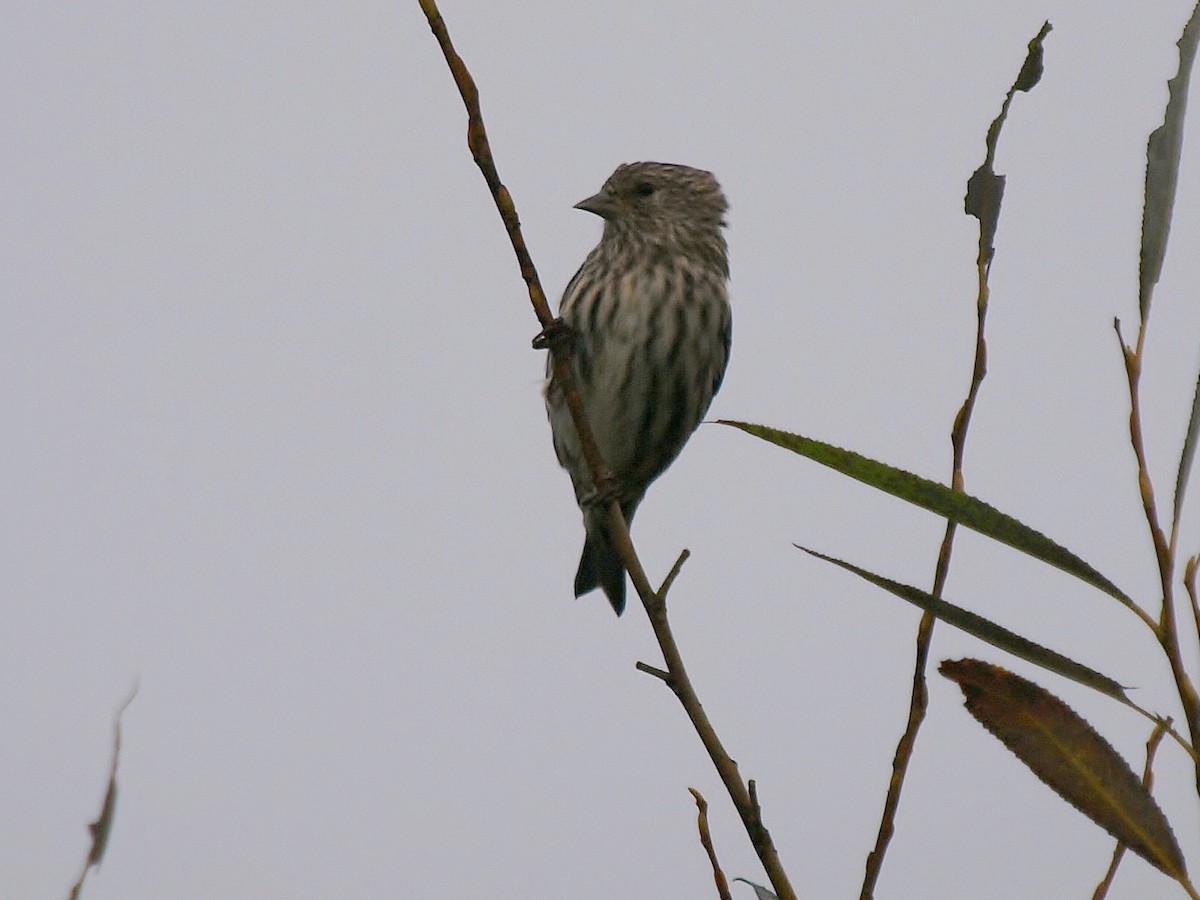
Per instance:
{"type": "Point", "coordinates": [651, 314]}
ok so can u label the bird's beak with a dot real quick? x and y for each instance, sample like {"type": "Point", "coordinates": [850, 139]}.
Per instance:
{"type": "Point", "coordinates": [602, 204]}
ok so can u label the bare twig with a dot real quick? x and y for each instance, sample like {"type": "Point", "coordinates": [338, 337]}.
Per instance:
{"type": "Point", "coordinates": [706, 841]}
{"type": "Point", "coordinates": [674, 573]}
{"type": "Point", "coordinates": [984, 192]}
{"type": "Point", "coordinates": [1152, 743]}
{"type": "Point", "coordinates": [1162, 173]}
{"type": "Point", "coordinates": [481, 151]}
{"type": "Point", "coordinates": [554, 337]}
{"type": "Point", "coordinates": [744, 800]}
{"type": "Point", "coordinates": [656, 672]}
{"type": "Point", "coordinates": [1164, 722]}
{"type": "Point", "coordinates": [1164, 550]}
{"type": "Point", "coordinates": [1189, 583]}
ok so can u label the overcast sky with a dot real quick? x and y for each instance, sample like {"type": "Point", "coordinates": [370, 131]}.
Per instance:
{"type": "Point", "coordinates": [274, 447]}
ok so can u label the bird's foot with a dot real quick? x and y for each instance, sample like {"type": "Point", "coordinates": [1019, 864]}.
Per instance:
{"type": "Point", "coordinates": [609, 490]}
{"type": "Point", "coordinates": [557, 334]}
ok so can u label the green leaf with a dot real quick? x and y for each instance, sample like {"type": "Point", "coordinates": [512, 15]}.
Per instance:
{"type": "Point", "coordinates": [1186, 455]}
{"type": "Point", "coordinates": [760, 892]}
{"type": "Point", "coordinates": [1162, 167]}
{"type": "Point", "coordinates": [937, 498]}
{"type": "Point", "coordinates": [987, 630]}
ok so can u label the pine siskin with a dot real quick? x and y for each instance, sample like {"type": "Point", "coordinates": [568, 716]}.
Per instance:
{"type": "Point", "coordinates": [652, 325]}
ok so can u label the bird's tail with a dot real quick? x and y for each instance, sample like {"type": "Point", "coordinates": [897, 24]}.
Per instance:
{"type": "Point", "coordinates": [599, 565]}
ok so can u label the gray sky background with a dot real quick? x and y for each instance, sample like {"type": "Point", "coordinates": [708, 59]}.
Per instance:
{"type": "Point", "coordinates": [274, 443]}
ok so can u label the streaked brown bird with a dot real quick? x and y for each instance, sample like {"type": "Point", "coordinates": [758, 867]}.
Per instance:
{"type": "Point", "coordinates": [649, 310]}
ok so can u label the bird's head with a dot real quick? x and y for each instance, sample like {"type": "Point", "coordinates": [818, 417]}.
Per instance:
{"type": "Point", "coordinates": [675, 207]}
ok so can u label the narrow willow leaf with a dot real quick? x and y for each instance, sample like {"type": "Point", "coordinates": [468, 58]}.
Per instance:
{"type": "Point", "coordinates": [760, 892]}
{"type": "Point", "coordinates": [1162, 168]}
{"type": "Point", "coordinates": [1187, 455]}
{"type": "Point", "coordinates": [937, 498]}
{"type": "Point", "coordinates": [1067, 754]}
{"type": "Point", "coordinates": [987, 630]}
{"type": "Point", "coordinates": [1162, 175]}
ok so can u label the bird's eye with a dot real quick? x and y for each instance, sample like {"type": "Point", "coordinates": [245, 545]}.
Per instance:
{"type": "Point", "coordinates": [645, 189]}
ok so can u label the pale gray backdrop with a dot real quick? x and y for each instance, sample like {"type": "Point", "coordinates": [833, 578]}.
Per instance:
{"type": "Point", "coordinates": [273, 443]}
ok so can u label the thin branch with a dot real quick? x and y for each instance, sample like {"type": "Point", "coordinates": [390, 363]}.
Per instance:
{"type": "Point", "coordinates": [752, 788]}
{"type": "Point", "coordinates": [1152, 743]}
{"type": "Point", "coordinates": [984, 192]}
{"type": "Point", "coordinates": [1165, 722]}
{"type": "Point", "coordinates": [1189, 583]}
{"type": "Point", "coordinates": [674, 573]}
{"type": "Point", "coordinates": [1164, 550]}
{"type": "Point", "coordinates": [706, 842]}
{"type": "Point", "coordinates": [651, 670]}
{"type": "Point", "coordinates": [681, 685]}
{"type": "Point", "coordinates": [481, 151]}
{"type": "Point", "coordinates": [1162, 173]}
{"type": "Point", "coordinates": [556, 338]}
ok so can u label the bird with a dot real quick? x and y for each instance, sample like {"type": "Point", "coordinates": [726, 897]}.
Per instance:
{"type": "Point", "coordinates": [650, 329]}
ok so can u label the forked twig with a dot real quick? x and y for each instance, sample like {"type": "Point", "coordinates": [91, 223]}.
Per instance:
{"type": "Point", "coordinates": [984, 192]}
{"type": "Point", "coordinates": [1167, 629]}
{"type": "Point", "coordinates": [706, 842]}
{"type": "Point", "coordinates": [1152, 743]}
{"type": "Point", "coordinates": [675, 675]}
{"type": "Point", "coordinates": [1189, 583]}
{"type": "Point", "coordinates": [1162, 174]}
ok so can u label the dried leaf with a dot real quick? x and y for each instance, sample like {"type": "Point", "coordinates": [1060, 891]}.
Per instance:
{"type": "Point", "coordinates": [1162, 167]}
{"type": "Point", "coordinates": [985, 189]}
{"type": "Point", "coordinates": [1068, 755]}
{"type": "Point", "coordinates": [102, 827]}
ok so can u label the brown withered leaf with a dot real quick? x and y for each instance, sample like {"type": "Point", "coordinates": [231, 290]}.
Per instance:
{"type": "Point", "coordinates": [985, 189]}
{"type": "Point", "coordinates": [102, 827]}
{"type": "Point", "coordinates": [1066, 753]}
